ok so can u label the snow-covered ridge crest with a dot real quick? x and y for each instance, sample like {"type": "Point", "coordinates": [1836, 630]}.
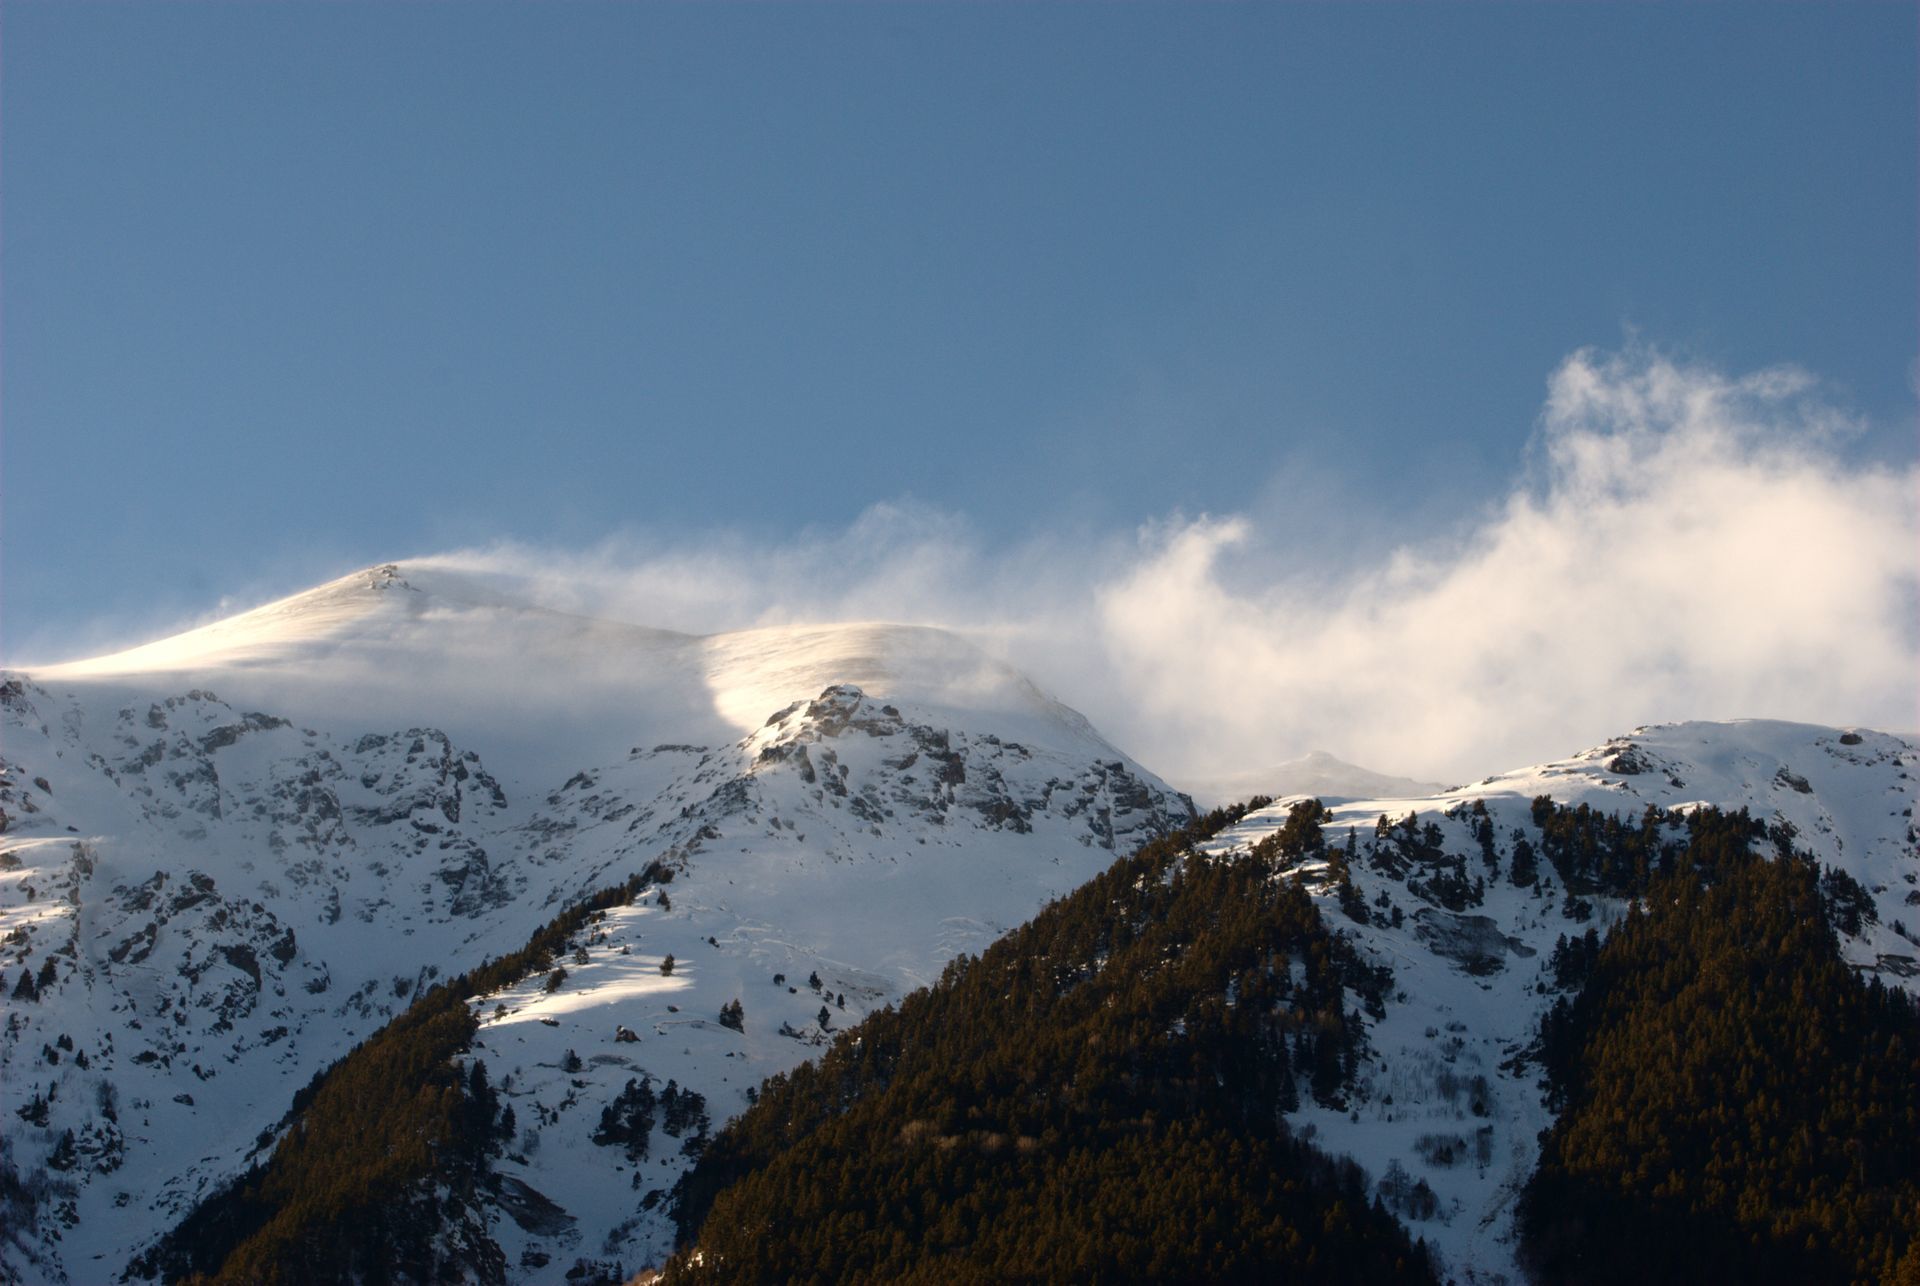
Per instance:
{"type": "Point", "coordinates": [434, 644]}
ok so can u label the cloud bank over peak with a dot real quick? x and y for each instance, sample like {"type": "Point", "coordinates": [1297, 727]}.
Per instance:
{"type": "Point", "coordinates": [1677, 543]}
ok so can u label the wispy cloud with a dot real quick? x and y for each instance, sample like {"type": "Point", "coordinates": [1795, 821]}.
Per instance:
{"type": "Point", "coordinates": [1688, 546]}
{"type": "Point", "coordinates": [1680, 543]}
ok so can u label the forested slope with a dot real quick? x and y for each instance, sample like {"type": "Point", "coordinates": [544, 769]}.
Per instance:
{"type": "Point", "coordinates": [1738, 1103]}
{"type": "Point", "coordinates": [1099, 1096]}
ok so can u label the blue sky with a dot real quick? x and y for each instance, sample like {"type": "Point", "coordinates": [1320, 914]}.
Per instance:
{"type": "Point", "coordinates": [292, 288]}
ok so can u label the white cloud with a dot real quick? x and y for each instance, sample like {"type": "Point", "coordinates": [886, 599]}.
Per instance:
{"type": "Point", "coordinates": [1693, 547]}
{"type": "Point", "coordinates": [1684, 544]}
{"type": "Point", "coordinates": [1679, 544]}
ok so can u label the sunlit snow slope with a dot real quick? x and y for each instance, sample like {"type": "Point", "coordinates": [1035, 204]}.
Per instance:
{"type": "Point", "coordinates": [228, 856]}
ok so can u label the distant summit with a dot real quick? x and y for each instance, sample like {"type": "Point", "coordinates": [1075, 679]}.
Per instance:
{"type": "Point", "coordinates": [1315, 773]}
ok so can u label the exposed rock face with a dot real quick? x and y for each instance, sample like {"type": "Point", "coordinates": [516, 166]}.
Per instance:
{"type": "Point", "coordinates": [1475, 942]}
{"type": "Point", "coordinates": [913, 770]}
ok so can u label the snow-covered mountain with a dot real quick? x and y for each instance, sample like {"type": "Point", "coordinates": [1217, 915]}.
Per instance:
{"type": "Point", "coordinates": [542, 692]}
{"type": "Point", "coordinates": [229, 856]}
{"type": "Point", "coordinates": [1447, 1096]}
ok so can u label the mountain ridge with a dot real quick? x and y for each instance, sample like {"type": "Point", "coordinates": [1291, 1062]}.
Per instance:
{"type": "Point", "coordinates": [206, 898]}
{"type": "Point", "coordinates": [435, 645]}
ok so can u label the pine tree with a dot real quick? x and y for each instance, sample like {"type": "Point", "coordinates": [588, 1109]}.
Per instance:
{"type": "Point", "coordinates": [1525, 867]}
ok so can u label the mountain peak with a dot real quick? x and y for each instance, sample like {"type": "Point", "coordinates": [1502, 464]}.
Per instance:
{"type": "Point", "coordinates": [384, 576]}
{"type": "Point", "coordinates": [437, 643]}
{"type": "Point", "coordinates": [1318, 773]}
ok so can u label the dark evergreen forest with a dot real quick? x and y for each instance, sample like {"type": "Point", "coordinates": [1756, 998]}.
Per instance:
{"type": "Point", "coordinates": [1737, 1104]}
